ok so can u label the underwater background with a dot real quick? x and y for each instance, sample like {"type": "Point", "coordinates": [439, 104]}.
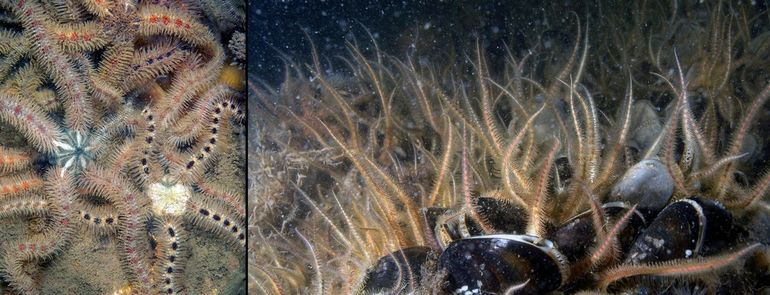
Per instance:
{"type": "Point", "coordinates": [506, 147]}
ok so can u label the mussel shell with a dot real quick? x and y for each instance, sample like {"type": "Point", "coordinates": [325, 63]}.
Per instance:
{"type": "Point", "coordinates": [646, 126]}
{"type": "Point", "coordinates": [683, 229]}
{"type": "Point", "coordinates": [393, 272]}
{"type": "Point", "coordinates": [646, 184]}
{"type": "Point", "coordinates": [577, 235]}
{"type": "Point", "coordinates": [502, 215]}
{"type": "Point", "coordinates": [493, 263]}
{"type": "Point", "coordinates": [717, 233]}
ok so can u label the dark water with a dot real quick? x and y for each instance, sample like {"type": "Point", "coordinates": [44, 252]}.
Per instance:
{"type": "Point", "coordinates": [278, 27]}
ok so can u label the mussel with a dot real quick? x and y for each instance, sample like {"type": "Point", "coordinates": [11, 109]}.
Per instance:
{"type": "Point", "coordinates": [473, 262]}
{"type": "Point", "coordinates": [685, 228]}
{"type": "Point", "coordinates": [576, 235]}
{"type": "Point", "coordinates": [501, 215]}
{"type": "Point", "coordinates": [495, 263]}
{"type": "Point", "coordinates": [504, 216]}
{"type": "Point", "coordinates": [647, 184]}
{"type": "Point", "coordinates": [398, 272]}
{"type": "Point", "coordinates": [646, 126]}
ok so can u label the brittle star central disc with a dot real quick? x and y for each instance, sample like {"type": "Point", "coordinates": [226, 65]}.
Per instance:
{"type": "Point", "coordinates": [168, 198]}
{"type": "Point", "coordinates": [74, 152]}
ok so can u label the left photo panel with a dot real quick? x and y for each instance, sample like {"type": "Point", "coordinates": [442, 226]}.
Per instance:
{"type": "Point", "coordinates": [122, 147]}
